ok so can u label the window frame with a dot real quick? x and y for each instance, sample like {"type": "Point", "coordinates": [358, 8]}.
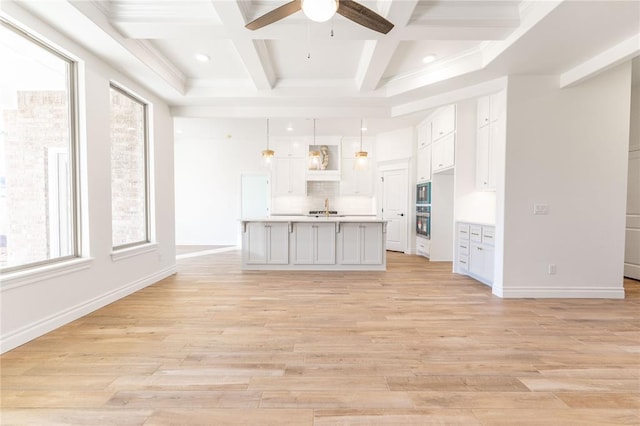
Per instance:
{"type": "Point", "coordinates": [74, 150]}
{"type": "Point", "coordinates": [147, 184]}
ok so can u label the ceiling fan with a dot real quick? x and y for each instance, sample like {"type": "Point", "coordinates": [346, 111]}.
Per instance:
{"type": "Point", "coordinates": [323, 10]}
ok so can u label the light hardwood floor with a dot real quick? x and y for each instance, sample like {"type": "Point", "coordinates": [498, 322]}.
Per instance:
{"type": "Point", "coordinates": [414, 345]}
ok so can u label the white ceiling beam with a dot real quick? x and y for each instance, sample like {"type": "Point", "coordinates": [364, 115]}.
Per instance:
{"type": "Point", "coordinates": [453, 96]}
{"type": "Point", "coordinates": [378, 53]}
{"type": "Point", "coordinates": [253, 53]}
{"type": "Point", "coordinates": [461, 65]}
{"type": "Point", "coordinates": [608, 59]}
{"type": "Point", "coordinates": [135, 58]}
{"type": "Point", "coordinates": [277, 110]}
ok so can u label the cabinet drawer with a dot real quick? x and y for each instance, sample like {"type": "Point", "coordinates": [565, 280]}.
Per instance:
{"type": "Point", "coordinates": [475, 233]}
{"type": "Point", "coordinates": [488, 235]}
{"type": "Point", "coordinates": [463, 247]}
{"type": "Point", "coordinates": [463, 263]}
{"type": "Point", "coordinates": [422, 246]}
{"type": "Point", "coordinates": [463, 232]}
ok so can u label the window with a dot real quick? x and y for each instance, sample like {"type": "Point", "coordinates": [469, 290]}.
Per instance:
{"type": "Point", "coordinates": [129, 170]}
{"type": "Point", "coordinates": [38, 184]}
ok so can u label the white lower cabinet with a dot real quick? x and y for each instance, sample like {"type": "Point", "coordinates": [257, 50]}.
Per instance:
{"type": "Point", "coordinates": [361, 244]}
{"type": "Point", "coordinates": [314, 243]}
{"type": "Point", "coordinates": [423, 246]}
{"type": "Point", "coordinates": [475, 251]}
{"type": "Point", "coordinates": [266, 243]}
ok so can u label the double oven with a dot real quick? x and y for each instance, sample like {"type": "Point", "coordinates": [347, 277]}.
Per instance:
{"type": "Point", "coordinates": [423, 210]}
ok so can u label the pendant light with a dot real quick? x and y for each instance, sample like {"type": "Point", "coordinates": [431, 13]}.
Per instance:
{"type": "Point", "coordinates": [362, 160]}
{"type": "Point", "coordinates": [314, 155]}
{"type": "Point", "coordinates": [268, 154]}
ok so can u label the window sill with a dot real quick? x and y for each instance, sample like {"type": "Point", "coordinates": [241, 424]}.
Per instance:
{"type": "Point", "coordinates": [30, 276]}
{"type": "Point", "coordinates": [133, 251]}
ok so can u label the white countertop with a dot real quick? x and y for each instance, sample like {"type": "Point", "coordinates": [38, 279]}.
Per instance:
{"type": "Point", "coordinates": [335, 219]}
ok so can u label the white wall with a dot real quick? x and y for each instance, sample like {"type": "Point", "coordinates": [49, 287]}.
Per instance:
{"type": "Point", "coordinates": [208, 166]}
{"type": "Point", "coordinates": [33, 305]}
{"type": "Point", "coordinates": [568, 149]}
{"type": "Point", "coordinates": [395, 145]}
{"type": "Point", "coordinates": [634, 136]}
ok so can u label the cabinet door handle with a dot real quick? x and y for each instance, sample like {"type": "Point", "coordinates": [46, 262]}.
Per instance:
{"type": "Point", "coordinates": [400, 214]}
{"type": "Point", "coordinates": [473, 233]}
{"type": "Point", "coordinates": [479, 248]}
{"type": "Point", "coordinates": [463, 246]}
{"type": "Point", "coordinates": [463, 262]}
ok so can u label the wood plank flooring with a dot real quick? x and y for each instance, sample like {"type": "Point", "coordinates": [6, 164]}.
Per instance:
{"type": "Point", "coordinates": [415, 345]}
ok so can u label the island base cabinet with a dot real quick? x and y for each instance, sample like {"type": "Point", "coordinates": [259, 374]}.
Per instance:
{"type": "Point", "coordinates": [314, 244]}
{"type": "Point", "coordinates": [361, 244]}
{"type": "Point", "coordinates": [266, 243]}
{"type": "Point", "coordinates": [308, 244]}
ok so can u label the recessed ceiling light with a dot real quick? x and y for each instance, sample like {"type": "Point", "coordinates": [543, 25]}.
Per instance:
{"type": "Point", "coordinates": [363, 128]}
{"type": "Point", "coordinates": [289, 129]}
{"type": "Point", "coordinates": [428, 59]}
{"type": "Point", "coordinates": [201, 57]}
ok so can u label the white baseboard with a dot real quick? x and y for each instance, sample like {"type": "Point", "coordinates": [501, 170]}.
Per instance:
{"type": "Point", "coordinates": [632, 271]}
{"type": "Point", "coordinates": [559, 293]}
{"type": "Point", "coordinates": [45, 325]}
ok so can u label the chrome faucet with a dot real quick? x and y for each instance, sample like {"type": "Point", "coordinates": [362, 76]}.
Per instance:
{"type": "Point", "coordinates": [326, 207]}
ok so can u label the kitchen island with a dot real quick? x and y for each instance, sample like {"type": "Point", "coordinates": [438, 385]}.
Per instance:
{"type": "Point", "coordinates": [334, 243]}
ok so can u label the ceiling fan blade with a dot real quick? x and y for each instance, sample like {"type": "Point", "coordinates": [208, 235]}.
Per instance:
{"type": "Point", "coordinates": [364, 16]}
{"type": "Point", "coordinates": [275, 15]}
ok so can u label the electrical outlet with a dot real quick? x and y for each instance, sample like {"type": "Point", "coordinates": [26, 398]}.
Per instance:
{"type": "Point", "coordinates": [540, 209]}
{"type": "Point", "coordinates": [552, 269]}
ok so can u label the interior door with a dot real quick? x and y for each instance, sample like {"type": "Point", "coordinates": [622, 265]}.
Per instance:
{"type": "Point", "coordinates": [632, 236]}
{"type": "Point", "coordinates": [395, 208]}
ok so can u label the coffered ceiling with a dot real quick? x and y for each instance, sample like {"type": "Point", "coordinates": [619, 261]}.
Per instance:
{"type": "Point", "coordinates": [339, 69]}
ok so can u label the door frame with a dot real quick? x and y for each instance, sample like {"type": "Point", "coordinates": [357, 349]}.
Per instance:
{"type": "Point", "coordinates": [390, 166]}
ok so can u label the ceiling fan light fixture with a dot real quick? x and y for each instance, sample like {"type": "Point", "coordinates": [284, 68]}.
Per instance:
{"type": "Point", "coordinates": [319, 10]}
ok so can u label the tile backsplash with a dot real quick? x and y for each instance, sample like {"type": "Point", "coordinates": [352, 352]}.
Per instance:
{"type": "Point", "coordinates": [317, 192]}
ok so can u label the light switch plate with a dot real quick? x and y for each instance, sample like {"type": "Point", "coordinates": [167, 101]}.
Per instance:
{"type": "Point", "coordinates": [540, 209]}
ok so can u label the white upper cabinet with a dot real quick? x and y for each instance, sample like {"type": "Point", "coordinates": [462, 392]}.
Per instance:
{"type": "Point", "coordinates": [352, 181]}
{"type": "Point", "coordinates": [423, 165]}
{"type": "Point", "coordinates": [490, 131]}
{"type": "Point", "coordinates": [498, 105]}
{"type": "Point", "coordinates": [443, 153]}
{"type": "Point", "coordinates": [444, 122]}
{"type": "Point", "coordinates": [424, 134]}
{"type": "Point", "coordinates": [484, 111]}
{"type": "Point", "coordinates": [289, 147]}
{"type": "Point", "coordinates": [289, 176]}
